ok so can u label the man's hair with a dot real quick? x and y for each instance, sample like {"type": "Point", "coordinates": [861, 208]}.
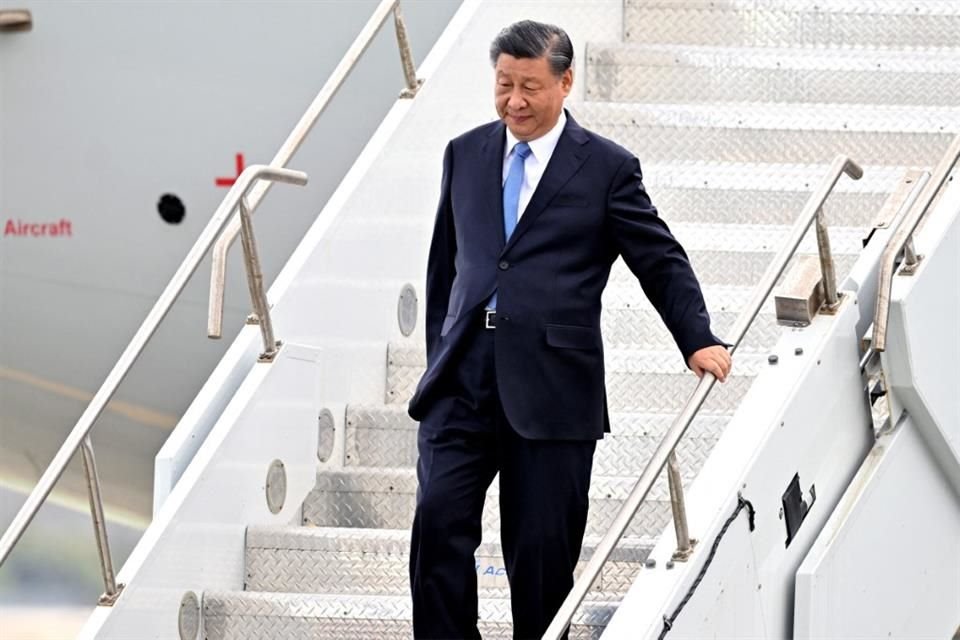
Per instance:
{"type": "Point", "coordinates": [529, 39]}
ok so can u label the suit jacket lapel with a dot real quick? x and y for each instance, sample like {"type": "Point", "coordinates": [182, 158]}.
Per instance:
{"type": "Point", "coordinates": [491, 152]}
{"type": "Point", "coordinates": [568, 156]}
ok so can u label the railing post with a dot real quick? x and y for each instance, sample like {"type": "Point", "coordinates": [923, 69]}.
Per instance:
{"type": "Point", "coordinates": [406, 55]}
{"type": "Point", "coordinates": [258, 296]}
{"type": "Point", "coordinates": [679, 507]}
{"type": "Point", "coordinates": [828, 274]}
{"type": "Point", "coordinates": [911, 259]}
{"type": "Point", "coordinates": [111, 590]}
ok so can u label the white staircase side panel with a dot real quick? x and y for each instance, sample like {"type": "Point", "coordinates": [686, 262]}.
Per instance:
{"type": "Point", "coordinates": [887, 563]}
{"type": "Point", "coordinates": [196, 541]}
{"type": "Point", "coordinates": [924, 335]}
{"type": "Point", "coordinates": [805, 415]}
{"type": "Point", "coordinates": [197, 421]}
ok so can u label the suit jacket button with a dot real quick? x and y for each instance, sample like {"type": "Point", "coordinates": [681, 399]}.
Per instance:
{"type": "Point", "coordinates": [504, 265]}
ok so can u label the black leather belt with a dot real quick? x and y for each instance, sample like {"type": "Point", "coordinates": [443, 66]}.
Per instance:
{"type": "Point", "coordinates": [490, 319]}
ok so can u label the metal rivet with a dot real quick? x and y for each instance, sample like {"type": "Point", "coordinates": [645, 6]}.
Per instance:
{"type": "Point", "coordinates": [650, 563]}
{"type": "Point", "coordinates": [188, 619]}
{"type": "Point", "coordinates": [798, 351]}
{"type": "Point", "coordinates": [327, 434]}
{"type": "Point", "coordinates": [407, 310]}
{"type": "Point", "coordinates": [276, 488]}
{"type": "Point", "coordinates": [773, 359]}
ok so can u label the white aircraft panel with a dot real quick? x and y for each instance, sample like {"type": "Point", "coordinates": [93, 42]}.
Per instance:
{"type": "Point", "coordinates": [887, 563]}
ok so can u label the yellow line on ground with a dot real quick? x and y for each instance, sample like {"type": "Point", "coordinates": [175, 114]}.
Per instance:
{"type": "Point", "coordinates": [75, 499]}
{"type": "Point", "coordinates": [134, 412]}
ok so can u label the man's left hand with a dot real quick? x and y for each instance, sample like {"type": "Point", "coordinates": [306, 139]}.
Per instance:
{"type": "Point", "coordinates": [715, 359]}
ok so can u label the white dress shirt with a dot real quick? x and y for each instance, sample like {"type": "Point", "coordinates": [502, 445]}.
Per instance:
{"type": "Point", "coordinates": [536, 163]}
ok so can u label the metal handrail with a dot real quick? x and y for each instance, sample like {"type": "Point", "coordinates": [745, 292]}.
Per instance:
{"type": "Point", "coordinates": [902, 240]}
{"type": "Point", "coordinates": [300, 132]}
{"type": "Point", "coordinates": [813, 209]}
{"type": "Point", "coordinates": [81, 430]}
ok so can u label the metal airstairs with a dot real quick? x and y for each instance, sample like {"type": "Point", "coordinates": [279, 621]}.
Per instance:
{"type": "Point", "coordinates": [291, 519]}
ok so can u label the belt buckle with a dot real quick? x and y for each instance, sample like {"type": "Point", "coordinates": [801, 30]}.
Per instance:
{"type": "Point", "coordinates": [490, 319]}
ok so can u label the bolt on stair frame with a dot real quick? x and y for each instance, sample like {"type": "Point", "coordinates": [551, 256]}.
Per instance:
{"type": "Point", "coordinates": [812, 210]}
{"type": "Point", "coordinates": [78, 436]}
{"type": "Point", "coordinates": [902, 239]}
{"type": "Point", "coordinates": [299, 134]}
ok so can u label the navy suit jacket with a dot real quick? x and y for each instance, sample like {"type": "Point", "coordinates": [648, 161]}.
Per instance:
{"type": "Point", "coordinates": [589, 207]}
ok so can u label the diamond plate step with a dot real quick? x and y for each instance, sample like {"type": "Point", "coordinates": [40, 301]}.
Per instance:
{"type": "Point", "coordinates": [634, 72]}
{"type": "Point", "coordinates": [757, 132]}
{"type": "Point", "coordinates": [643, 326]}
{"type": "Point", "coordinates": [730, 206]}
{"type": "Point", "coordinates": [709, 174]}
{"type": "Point", "coordinates": [385, 436]}
{"type": "Point", "coordinates": [727, 254]}
{"type": "Point", "coordinates": [371, 561]}
{"type": "Point", "coordinates": [765, 239]}
{"type": "Point", "coordinates": [744, 268]}
{"type": "Point", "coordinates": [794, 23]}
{"type": "Point", "coordinates": [385, 499]}
{"type": "Point", "coordinates": [637, 380]}
{"type": "Point", "coordinates": [266, 616]}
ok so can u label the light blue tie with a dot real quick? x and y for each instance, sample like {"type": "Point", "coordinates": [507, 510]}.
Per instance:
{"type": "Point", "coordinates": [511, 197]}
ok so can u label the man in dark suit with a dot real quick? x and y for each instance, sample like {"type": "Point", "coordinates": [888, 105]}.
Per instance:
{"type": "Point", "coordinates": [533, 211]}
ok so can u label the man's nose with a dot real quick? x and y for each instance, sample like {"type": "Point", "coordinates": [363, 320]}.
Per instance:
{"type": "Point", "coordinates": [516, 100]}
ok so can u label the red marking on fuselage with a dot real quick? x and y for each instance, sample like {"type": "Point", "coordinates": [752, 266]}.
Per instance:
{"type": "Point", "coordinates": [228, 182]}
{"type": "Point", "coordinates": [22, 229]}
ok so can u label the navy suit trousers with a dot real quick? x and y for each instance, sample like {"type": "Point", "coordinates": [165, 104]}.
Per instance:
{"type": "Point", "coordinates": [464, 441]}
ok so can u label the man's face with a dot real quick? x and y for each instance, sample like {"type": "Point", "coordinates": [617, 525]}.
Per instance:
{"type": "Point", "coordinates": [529, 97]}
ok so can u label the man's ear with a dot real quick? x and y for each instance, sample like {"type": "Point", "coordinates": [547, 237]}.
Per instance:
{"type": "Point", "coordinates": [566, 81]}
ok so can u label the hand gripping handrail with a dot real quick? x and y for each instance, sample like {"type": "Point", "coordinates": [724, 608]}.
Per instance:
{"type": "Point", "coordinates": [812, 210]}
{"type": "Point", "coordinates": [902, 240]}
{"type": "Point", "coordinates": [300, 132]}
{"type": "Point", "coordinates": [79, 434]}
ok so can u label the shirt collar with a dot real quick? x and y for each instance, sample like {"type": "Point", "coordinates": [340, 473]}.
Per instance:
{"type": "Point", "coordinates": [543, 146]}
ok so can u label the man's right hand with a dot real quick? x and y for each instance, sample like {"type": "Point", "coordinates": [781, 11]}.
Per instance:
{"type": "Point", "coordinates": [715, 359]}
